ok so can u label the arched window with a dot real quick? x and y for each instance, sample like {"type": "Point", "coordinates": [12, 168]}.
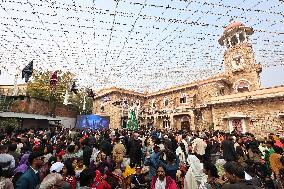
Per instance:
{"type": "Point", "coordinates": [242, 37]}
{"type": "Point", "coordinates": [102, 108]}
{"type": "Point", "coordinates": [242, 86]}
{"type": "Point", "coordinates": [124, 100]}
{"type": "Point", "coordinates": [137, 102]}
{"type": "Point", "coordinates": [153, 104]}
{"type": "Point", "coordinates": [234, 40]}
{"type": "Point", "coordinates": [227, 43]}
{"type": "Point", "coordinates": [166, 123]}
{"type": "Point", "coordinates": [222, 91]}
{"type": "Point", "coordinates": [166, 101]}
{"type": "Point", "coordinates": [183, 98]}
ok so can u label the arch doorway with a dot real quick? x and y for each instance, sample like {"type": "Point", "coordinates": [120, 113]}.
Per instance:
{"type": "Point", "coordinates": [124, 122]}
{"type": "Point", "coordinates": [185, 123]}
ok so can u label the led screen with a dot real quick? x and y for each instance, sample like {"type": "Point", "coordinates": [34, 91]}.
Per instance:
{"type": "Point", "coordinates": [94, 122]}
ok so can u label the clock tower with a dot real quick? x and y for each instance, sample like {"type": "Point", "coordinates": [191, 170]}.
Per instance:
{"type": "Point", "coordinates": [239, 59]}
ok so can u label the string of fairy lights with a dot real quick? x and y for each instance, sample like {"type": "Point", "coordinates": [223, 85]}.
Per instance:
{"type": "Point", "coordinates": [142, 45]}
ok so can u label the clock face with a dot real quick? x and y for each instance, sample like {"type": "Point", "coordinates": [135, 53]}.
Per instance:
{"type": "Point", "coordinates": [237, 61]}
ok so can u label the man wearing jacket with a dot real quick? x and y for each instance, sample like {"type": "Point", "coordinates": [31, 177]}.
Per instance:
{"type": "Point", "coordinates": [135, 149]}
{"type": "Point", "coordinates": [30, 179]}
{"type": "Point", "coordinates": [229, 152]}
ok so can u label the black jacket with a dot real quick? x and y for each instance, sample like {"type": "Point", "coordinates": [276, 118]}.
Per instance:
{"type": "Point", "coordinates": [229, 152]}
{"type": "Point", "coordinates": [29, 180]}
{"type": "Point", "coordinates": [87, 153]}
{"type": "Point", "coordinates": [135, 151]}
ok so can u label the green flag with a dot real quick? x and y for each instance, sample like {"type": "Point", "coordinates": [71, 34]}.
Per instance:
{"type": "Point", "coordinates": [132, 122]}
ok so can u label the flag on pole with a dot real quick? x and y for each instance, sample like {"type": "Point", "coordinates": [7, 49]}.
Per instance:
{"type": "Point", "coordinates": [27, 71]}
{"type": "Point", "coordinates": [53, 79]}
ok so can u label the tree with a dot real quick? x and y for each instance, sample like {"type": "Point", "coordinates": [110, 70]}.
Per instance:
{"type": "Point", "coordinates": [132, 122]}
{"type": "Point", "coordinates": [40, 87]}
{"type": "Point", "coordinates": [10, 124]}
{"type": "Point", "coordinates": [78, 100]}
{"type": "Point", "coordinates": [5, 103]}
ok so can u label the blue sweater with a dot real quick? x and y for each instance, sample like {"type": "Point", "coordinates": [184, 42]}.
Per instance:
{"type": "Point", "coordinates": [171, 169]}
{"type": "Point", "coordinates": [153, 163]}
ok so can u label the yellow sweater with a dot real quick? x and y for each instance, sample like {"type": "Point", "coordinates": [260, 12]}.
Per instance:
{"type": "Point", "coordinates": [275, 163]}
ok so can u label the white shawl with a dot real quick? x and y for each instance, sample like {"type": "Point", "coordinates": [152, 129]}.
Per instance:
{"type": "Point", "coordinates": [194, 178]}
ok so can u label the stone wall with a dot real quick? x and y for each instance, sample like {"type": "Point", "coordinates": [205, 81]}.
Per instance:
{"type": "Point", "coordinates": [96, 106]}
{"type": "Point", "coordinates": [171, 111]}
{"type": "Point", "coordinates": [205, 120]}
{"type": "Point", "coordinates": [262, 115]}
{"type": "Point", "coordinates": [206, 92]}
{"type": "Point", "coordinates": [30, 106]}
{"type": "Point", "coordinates": [8, 90]}
{"type": "Point", "coordinates": [66, 111]}
{"type": "Point", "coordinates": [38, 106]}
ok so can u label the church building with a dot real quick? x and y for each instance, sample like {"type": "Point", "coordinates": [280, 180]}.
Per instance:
{"type": "Point", "coordinates": [233, 100]}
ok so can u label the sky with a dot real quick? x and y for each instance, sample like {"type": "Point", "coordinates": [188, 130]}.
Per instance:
{"type": "Point", "coordinates": [141, 45]}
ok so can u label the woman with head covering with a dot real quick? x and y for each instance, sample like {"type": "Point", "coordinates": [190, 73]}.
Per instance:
{"type": "Point", "coordinates": [22, 167]}
{"type": "Point", "coordinates": [194, 178]}
{"type": "Point", "coordinates": [56, 167]}
{"type": "Point", "coordinates": [181, 153]}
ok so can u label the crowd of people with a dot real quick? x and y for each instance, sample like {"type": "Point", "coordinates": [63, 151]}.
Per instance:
{"type": "Point", "coordinates": [148, 158]}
